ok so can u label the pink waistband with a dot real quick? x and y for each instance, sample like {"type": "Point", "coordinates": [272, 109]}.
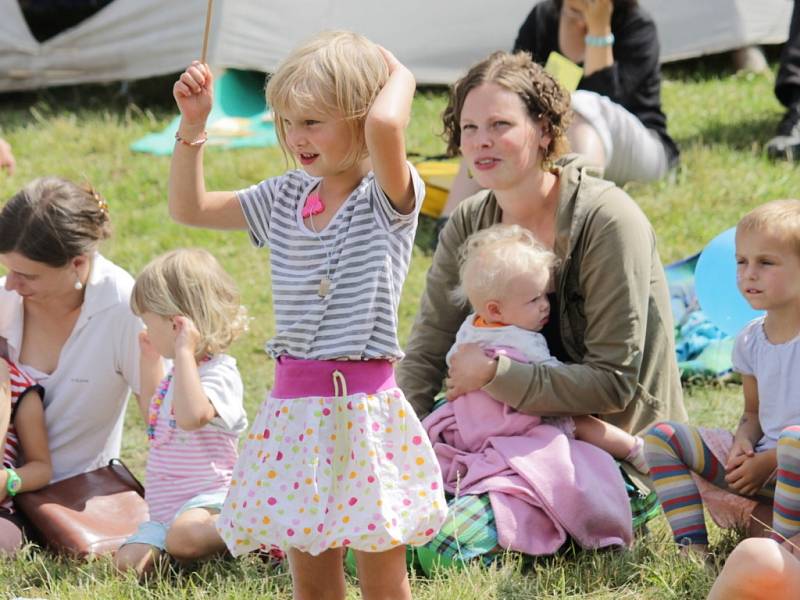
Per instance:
{"type": "Point", "coordinates": [299, 378]}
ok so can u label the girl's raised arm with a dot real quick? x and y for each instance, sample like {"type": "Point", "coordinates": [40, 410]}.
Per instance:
{"type": "Point", "coordinates": [189, 202]}
{"type": "Point", "coordinates": [384, 131]}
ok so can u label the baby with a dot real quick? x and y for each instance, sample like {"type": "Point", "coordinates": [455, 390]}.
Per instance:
{"type": "Point", "coordinates": [505, 275]}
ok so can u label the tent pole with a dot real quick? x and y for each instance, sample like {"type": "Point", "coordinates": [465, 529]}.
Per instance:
{"type": "Point", "coordinates": [206, 32]}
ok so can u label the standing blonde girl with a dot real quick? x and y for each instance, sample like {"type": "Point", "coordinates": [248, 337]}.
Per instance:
{"type": "Point", "coordinates": [336, 456]}
{"type": "Point", "coordinates": [195, 414]}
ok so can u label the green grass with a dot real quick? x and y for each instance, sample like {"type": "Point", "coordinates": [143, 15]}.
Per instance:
{"type": "Point", "coordinates": [721, 120]}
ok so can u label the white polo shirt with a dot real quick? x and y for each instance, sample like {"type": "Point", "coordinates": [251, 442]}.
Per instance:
{"type": "Point", "coordinates": [85, 397]}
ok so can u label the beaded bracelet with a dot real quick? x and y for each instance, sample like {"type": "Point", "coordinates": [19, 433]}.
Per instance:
{"type": "Point", "coordinates": [198, 142]}
{"type": "Point", "coordinates": [599, 40]}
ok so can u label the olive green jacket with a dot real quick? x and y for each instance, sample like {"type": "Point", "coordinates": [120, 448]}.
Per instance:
{"type": "Point", "coordinates": [614, 313]}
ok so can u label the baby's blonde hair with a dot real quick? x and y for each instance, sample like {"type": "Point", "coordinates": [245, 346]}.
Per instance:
{"type": "Point", "coordinates": [779, 218]}
{"type": "Point", "coordinates": [337, 73]}
{"type": "Point", "coordinates": [492, 257]}
{"type": "Point", "coordinates": [191, 283]}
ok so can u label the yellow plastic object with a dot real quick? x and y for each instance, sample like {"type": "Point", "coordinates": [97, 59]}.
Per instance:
{"type": "Point", "coordinates": [438, 176]}
{"type": "Point", "coordinates": [564, 70]}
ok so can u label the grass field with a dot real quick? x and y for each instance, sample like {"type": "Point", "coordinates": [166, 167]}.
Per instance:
{"type": "Point", "coordinates": [721, 121]}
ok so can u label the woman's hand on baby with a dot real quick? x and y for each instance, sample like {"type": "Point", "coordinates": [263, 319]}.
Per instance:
{"type": "Point", "coordinates": [187, 336]}
{"type": "Point", "coordinates": [470, 370]}
{"type": "Point", "coordinates": [194, 94]}
{"type": "Point", "coordinates": [750, 473]}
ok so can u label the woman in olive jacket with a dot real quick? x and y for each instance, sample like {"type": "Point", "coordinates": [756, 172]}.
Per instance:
{"type": "Point", "coordinates": [610, 308]}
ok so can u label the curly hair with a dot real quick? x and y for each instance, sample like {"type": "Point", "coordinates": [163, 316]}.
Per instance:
{"type": "Point", "coordinates": [492, 257]}
{"type": "Point", "coordinates": [191, 283]}
{"type": "Point", "coordinates": [337, 73]}
{"type": "Point", "coordinates": [53, 220]}
{"type": "Point", "coordinates": [544, 98]}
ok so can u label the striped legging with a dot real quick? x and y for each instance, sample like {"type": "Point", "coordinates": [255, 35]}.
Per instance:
{"type": "Point", "coordinates": [673, 450]}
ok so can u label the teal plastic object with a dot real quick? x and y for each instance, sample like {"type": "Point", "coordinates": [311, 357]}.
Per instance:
{"type": "Point", "coordinates": [238, 100]}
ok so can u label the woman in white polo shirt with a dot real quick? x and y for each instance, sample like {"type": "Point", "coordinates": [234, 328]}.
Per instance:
{"type": "Point", "coordinates": [65, 318]}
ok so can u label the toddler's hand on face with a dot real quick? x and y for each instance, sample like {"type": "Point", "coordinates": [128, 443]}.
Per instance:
{"type": "Point", "coordinates": [187, 336]}
{"type": "Point", "coordinates": [194, 93]}
{"type": "Point", "coordinates": [149, 354]}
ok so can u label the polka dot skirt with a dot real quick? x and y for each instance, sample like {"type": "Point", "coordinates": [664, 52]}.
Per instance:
{"type": "Point", "coordinates": [318, 473]}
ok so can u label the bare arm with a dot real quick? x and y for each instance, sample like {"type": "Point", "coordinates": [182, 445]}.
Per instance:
{"type": "Point", "coordinates": [749, 430]}
{"type": "Point", "coordinates": [189, 202]}
{"type": "Point", "coordinates": [151, 372]}
{"type": "Point", "coordinates": [384, 130]}
{"type": "Point", "coordinates": [5, 401]}
{"type": "Point", "coordinates": [192, 407]}
{"type": "Point", "coordinates": [32, 433]}
{"type": "Point", "coordinates": [597, 15]}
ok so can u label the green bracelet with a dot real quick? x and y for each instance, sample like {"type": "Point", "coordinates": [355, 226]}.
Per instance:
{"type": "Point", "coordinates": [599, 40]}
{"type": "Point", "coordinates": [13, 483]}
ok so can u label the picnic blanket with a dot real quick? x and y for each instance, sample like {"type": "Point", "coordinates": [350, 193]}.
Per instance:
{"type": "Point", "coordinates": [542, 485]}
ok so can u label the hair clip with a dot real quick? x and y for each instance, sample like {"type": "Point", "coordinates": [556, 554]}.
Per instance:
{"type": "Point", "coordinates": [101, 202]}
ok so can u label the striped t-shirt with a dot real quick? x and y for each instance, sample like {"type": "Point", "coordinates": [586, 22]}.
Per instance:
{"type": "Point", "coordinates": [184, 464]}
{"type": "Point", "coordinates": [365, 251]}
{"type": "Point", "coordinates": [21, 384]}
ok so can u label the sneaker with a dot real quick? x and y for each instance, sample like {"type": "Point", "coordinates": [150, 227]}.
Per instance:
{"type": "Point", "coordinates": [786, 145]}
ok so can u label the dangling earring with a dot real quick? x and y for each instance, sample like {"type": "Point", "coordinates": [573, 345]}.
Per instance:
{"type": "Point", "coordinates": [78, 285]}
{"type": "Point", "coordinates": [547, 165]}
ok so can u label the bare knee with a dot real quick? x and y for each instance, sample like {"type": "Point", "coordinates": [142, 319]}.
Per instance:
{"type": "Point", "coordinates": [193, 539]}
{"type": "Point", "coordinates": [584, 139]}
{"type": "Point", "coordinates": [317, 577]}
{"type": "Point", "coordinates": [383, 576]}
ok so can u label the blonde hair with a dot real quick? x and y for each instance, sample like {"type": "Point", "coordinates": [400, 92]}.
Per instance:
{"type": "Point", "coordinates": [191, 283]}
{"type": "Point", "coordinates": [492, 257]}
{"type": "Point", "coordinates": [337, 73]}
{"type": "Point", "coordinates": [779, 218]}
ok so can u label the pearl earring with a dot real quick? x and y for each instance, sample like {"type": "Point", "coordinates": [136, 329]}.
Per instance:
{"type": "Point", "coordinates": [78, 285]}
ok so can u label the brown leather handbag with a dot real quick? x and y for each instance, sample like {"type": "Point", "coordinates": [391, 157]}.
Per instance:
{"type": "Point", "coordinates": [86, 515]}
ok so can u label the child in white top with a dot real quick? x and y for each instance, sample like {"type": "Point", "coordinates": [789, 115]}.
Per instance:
{"type": "Point", "coordinates": [505, 274]}
{"type": "Point", "coordinates": [762, 458]}
{"type": "Point", "coordinates": [195, 414]}
{"type": "Point", "coordinates": [336, 456]}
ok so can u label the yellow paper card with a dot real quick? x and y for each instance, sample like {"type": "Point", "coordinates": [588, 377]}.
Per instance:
{"type": "Point", "coordinates": [566, 72]}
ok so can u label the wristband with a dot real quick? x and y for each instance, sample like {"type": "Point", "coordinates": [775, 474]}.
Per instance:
{"type": "Point", "coordinates": [599, 41]}
{"type": "Point", "coordinates": [13, 483]}
{"type": "Point", "coordinates": [198, 142]}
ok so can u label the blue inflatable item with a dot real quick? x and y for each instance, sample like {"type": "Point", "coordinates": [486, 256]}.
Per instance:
{"type": "Point", "coordinates": [715, 285]}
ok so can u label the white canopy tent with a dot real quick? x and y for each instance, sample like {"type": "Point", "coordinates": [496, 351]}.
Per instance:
{"type": "Point", "coordinates": [437, 39]}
